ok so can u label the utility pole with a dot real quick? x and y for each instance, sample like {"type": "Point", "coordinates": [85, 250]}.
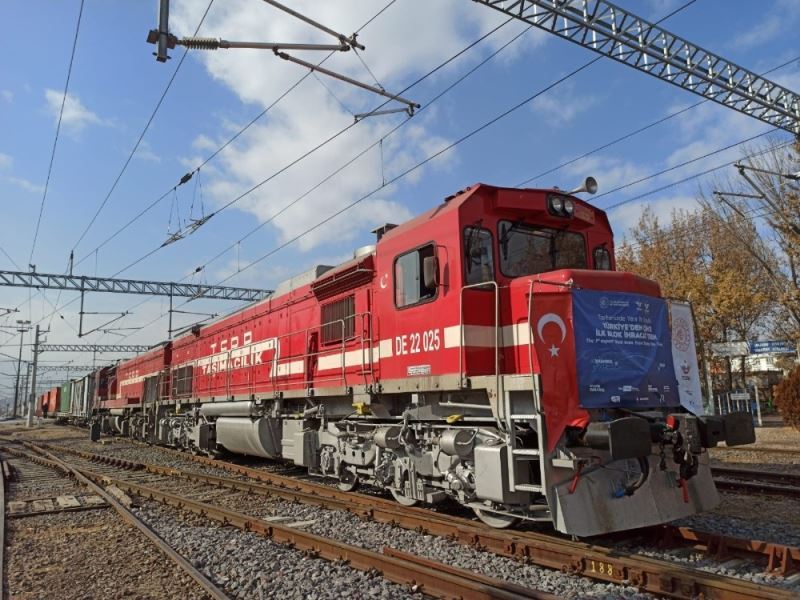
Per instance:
{"type": "Point", "coordinates": [32, 397]}
{"type": "Point", "coordinates": [24, 326]}
{"type": "Point", "coordinates": [26, 381]}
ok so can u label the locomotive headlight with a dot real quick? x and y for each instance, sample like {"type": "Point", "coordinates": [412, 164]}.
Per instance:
{"type": "Point", "coordinates": [569, 206]}
{"type": "Point", "coordinates": [557, 203]}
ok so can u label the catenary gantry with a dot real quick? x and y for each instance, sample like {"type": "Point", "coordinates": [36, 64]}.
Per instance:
{"type": "Point", "coordinates": [618, 34]}
{"type": "Point", "coordinates": [83, 283]}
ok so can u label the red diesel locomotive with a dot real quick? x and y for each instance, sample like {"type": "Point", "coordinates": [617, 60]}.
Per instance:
{"type": "Point", "coordinates": [485, 351]}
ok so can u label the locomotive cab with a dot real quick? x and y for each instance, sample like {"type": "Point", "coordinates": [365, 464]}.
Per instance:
{"type": "Point", "coordinates": [572, 358]}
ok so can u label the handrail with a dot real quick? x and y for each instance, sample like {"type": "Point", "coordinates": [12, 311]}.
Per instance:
{"type": "Point", "coordinates": [341, 349]}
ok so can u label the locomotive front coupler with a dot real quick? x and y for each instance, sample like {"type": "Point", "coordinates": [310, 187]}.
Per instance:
{"type": "Point", "coordinates": [627, 437]}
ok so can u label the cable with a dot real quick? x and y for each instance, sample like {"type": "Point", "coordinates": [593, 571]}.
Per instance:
{"type": "Point", "coordinates": [58, 130]}
{"type": "Point", "coordinates": [410, 170]}
{"type": "Point", "coordinates": [365, 150]}
{"type": "Point", "coordinates": [685, 163]}
{"type": "Point", "coordinates": [370, 147]}
{"type": "Point", "coordinates": [214, 154]}
{"type": "Point", "coordinates": [229, 141]}
{"type": "Point", "coordinates": [347, 128]}
{"type": "Point", "coordinates": [695, 176]}
{"type": "Point", "coordinates": [751, 215]}
{"type": "Point", "coordinates": [130, 156]}
{"type": "Point", "coordinates": [638, 131]}
{"type": "Point", "coordinates": [142, 134]}
{"type": "Point", "coordinates": [338, 134]}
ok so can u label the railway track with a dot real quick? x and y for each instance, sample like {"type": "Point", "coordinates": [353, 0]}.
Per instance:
{"type": "Point", "coordinates": [660, 577]}
{"type": "Point", "coordinates": [757, 481]}
{"type": "Point", "coordinates": [57, 477]}
{"type": "Point", "coordinates": [761, 449]}
{"type": "Point", "coordinates": [158, 483]}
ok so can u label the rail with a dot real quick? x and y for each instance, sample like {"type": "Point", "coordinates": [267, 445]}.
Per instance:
{"type": "Point", "coordinates": [430, 577]}
{"type": "Point", "coordinates": [49, 459]}
{"type": "Point", "coordinates": [650, 575]}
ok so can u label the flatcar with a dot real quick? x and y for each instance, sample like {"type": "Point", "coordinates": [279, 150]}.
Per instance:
{"type": "Point", "coordinates": [485, 352]}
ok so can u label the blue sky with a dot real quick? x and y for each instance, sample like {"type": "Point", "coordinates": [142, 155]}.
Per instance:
{"type": "Point", "coordinates": [116, 83]}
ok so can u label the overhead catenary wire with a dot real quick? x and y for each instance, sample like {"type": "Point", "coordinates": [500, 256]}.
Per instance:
{"type": "Point", "coordinates": [133, 150]}
{"type": "Point", "coordinates": [635, 132]}
{"type": "Point", "coordinates": [685, 163]}
{"type": "Point", "coordinates": [323, 143]}
{"type": "Point", "coordinates": [141, 135]}
{"type": "Point", "coordinates": [380, 141]}
{"type": "Point", "coordinates": [215, 153]}
{"type": "Point", "coordinates": [348, 127]}
{"type": "Point", "coordinates": [418, 165]}
{"type": "Point", "coordinates": [692, 177]}
{"type": "Point", "coordinates": [227, 143]}
{"type": "Point", "coordinates": [58, 130]}
{"type": "Point", "coordinates": [752, 214]}
{"type": "Point", "coordinates": [365, 150]}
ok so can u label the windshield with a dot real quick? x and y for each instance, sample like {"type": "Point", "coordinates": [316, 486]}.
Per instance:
{"type": "Point", "coordinates": [525, 250]}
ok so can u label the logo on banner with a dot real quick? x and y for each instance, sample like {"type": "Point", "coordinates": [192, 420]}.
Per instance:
{"type": "Point", "coordinates": [544, 320]}
{"type": "Point", "coordinates": [681, 333]}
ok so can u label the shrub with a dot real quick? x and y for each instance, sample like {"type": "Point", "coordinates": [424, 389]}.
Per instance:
{"type": "Point", "coordinates": [787, 398]}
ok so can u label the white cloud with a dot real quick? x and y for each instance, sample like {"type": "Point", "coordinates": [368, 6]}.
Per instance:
{"type": "Point", "coordinates": [24, 184]}
{"type": "Point", "coordinates": [563, 104]}
{"type": "Point", "coordinates": [781, 16]}
{"type": "Point", "coordinates": [626, 217]}
{"type": "Point", "coordinates": [7, 95]}
{"type": "Point", "coordinates": [6, 162]}
{"type": "Point", "coordinates": [76, 116]}
{"type": "Point", "coordinates": [145, 152]}
{"type": "Point", "coordinates": [310, 114]}
{"type": "Point", "coordinates": [203, 142]}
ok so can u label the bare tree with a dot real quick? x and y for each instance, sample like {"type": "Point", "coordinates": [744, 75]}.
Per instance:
{"type": "Point", "coordinates": [765, 195]}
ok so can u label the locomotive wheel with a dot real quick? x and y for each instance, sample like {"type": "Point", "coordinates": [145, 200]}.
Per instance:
{"type": "Point", "coordinates": [401, 497]}
{"type": "Point", "coordinates": [348, 481]}
{"type": "Point", "coordinates": [495, 520]}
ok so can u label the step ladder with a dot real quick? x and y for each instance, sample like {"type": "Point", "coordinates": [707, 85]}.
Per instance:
{"type": "Point", "coordinates": [518, 454]}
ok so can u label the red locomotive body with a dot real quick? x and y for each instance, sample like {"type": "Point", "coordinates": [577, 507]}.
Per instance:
{"type": "Point", "coordinates": [51, 401]}
{"type": "Point", "coordinates": [137, 376]}
{"type": "Point", "coordinates": [484, 351]}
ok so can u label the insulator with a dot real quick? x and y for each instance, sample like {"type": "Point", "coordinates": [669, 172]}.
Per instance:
{"type": "Point", "coordinates": [198, 43]}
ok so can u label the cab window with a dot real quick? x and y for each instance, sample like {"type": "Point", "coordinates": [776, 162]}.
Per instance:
{"type": "Point", "coordinates": [526, 249]}
{"type": "Point", "coordinates": [478, 259]}
{"type": "Point", "coordinates": [602, 259]}
{"type": "Point", "coordinates": [409, 283]}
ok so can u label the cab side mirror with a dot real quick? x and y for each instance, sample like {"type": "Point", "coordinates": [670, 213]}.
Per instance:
{"type": "Point", "coordinates": [430, 272]}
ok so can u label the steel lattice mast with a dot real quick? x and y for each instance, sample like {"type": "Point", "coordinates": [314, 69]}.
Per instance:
{"type": "Point", "coordinates": [616, 33]}
{"type": "Point", "coordinates": [65, 368]}
{"type": "Point", "coordinates": [82, 283]}
{"type": "Point", "coordinates": [93, 348]}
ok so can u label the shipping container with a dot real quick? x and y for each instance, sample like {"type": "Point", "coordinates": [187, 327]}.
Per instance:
{"type": "Point", "coordinates": [64, 400]}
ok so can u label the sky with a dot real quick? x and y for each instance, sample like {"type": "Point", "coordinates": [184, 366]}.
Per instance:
{"type": "Point", "coordinates": [259, 237]}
